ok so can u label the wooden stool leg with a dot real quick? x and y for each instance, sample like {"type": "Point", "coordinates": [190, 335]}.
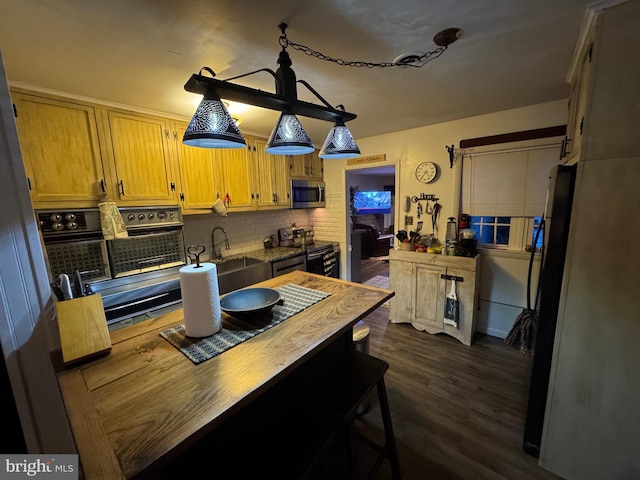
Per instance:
{"type": "Point", "coordinates": [388, 430]}
{"type": "Point", "coordinates": [351, 460]}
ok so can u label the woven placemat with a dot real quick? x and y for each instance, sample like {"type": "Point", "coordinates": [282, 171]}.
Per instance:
{"type": "Point", "coordinates": [235, 331]}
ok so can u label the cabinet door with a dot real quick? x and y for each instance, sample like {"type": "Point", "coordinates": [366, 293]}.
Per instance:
{"type": "Point", "coordinates": [271, 176]}
{"type": "Point", "coordinates": [234, 165]}
{"type": "Point", "coordinates": [60, 149]}
{"type": "Point", "coordinates": [314, 165]}
{"type": "Point", "coordinates": [467, 302]}
{"type": "Point", "coordinates": [578, 103]}
{"type": "Point", "coordinates": [141, 158]}
{"type": "Point", "coordinates": [401, 280]}
{"type": "Point", "coordinates": [201, 178]}
{"type": "Point", "coordinates": [429, 298]}
{"type": "Point", "coordinates": [307, 166]}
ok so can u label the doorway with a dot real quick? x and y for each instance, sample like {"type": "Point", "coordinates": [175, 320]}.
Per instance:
{"type": "Point", "coordinates": [371, 214]}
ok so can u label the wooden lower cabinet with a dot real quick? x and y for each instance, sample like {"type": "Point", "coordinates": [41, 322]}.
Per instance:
{"type": "Point", "coordinates": [421, 290]}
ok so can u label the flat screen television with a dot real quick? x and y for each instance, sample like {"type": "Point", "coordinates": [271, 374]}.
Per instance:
{"type": "Point", "coordinates": [365, 203]}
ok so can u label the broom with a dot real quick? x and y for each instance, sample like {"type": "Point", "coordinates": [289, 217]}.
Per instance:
{"type": "Point", "coordinates": [522, 335]}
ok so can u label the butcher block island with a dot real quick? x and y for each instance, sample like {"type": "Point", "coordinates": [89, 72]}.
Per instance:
{"type": "Point", "coordinates": [141, 410]}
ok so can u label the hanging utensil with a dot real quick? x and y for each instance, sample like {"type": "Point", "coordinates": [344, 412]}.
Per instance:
{"type": "Point", "coordinates": [65, 286]}
{"type": "Point", "coordinates": [196, 251]}
{"type": "Point", "coordinates": [77, 284]}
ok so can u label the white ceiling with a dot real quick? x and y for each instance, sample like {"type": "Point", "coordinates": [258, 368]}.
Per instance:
{"type": "Point", "coordinates": [141, 52]}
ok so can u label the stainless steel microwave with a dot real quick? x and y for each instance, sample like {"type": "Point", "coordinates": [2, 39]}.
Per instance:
{"type": "Point", "coordinates": [307, 194]}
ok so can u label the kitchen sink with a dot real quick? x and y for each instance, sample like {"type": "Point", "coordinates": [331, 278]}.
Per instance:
{"type": "Point", "coordinates": [241, 272]}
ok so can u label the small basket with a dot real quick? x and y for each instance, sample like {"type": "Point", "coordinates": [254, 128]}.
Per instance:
{"type": "Point", "coordinates": [406, 246]}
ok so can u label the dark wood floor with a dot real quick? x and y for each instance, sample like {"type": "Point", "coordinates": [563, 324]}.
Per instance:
{"type": "Point", "coordinates": [458, 412]}
{"type": "Point", "coordinates": [369, 268]}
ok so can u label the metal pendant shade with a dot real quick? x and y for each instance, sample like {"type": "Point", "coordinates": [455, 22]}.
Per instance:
{"type": "Point", "coordinates": [339, 143]}
{"type": "Point", "coordinates": [289, 138]}
{"type": "Point", "coordinates": [212, 126]}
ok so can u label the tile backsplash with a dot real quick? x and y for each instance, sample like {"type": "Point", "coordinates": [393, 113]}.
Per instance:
{"type": "Point", "coordinates": [246, 230]}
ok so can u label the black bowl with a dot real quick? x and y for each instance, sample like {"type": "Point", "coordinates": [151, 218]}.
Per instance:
{"type": "Point", "coordinates": [250, 301]}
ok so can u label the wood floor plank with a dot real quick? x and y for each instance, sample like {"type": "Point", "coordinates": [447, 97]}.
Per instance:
{"type": "Point", "coordinates": [458, 412]}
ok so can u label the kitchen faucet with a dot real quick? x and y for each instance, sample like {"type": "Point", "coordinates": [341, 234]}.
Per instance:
{"type": "Point", "coordinates": [218, 253]}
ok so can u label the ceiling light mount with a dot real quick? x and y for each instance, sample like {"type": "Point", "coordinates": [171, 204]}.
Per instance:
{"type": "Point", "coordinates": [442, 39]}
{"type": "Point", "coordinates": [447, 36]}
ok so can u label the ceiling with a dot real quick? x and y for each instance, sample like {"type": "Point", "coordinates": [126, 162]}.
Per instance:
{"type": "Point", "coordinates": [141, 52]}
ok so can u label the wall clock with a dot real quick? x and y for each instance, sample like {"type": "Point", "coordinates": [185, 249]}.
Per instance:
{"type": "Point", "coordinates": [426, 172]}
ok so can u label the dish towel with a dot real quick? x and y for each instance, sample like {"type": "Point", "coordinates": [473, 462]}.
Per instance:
{"type": "Point", "coordinates": [220, 208]}
{"type": "Point", "coordinates": [111, 221]}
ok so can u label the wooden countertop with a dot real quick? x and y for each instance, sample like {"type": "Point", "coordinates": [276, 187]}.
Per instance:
{"type": "Point", "coordinates": [146, 402]}
{"type": "Point", "coordinates": [435, 259]}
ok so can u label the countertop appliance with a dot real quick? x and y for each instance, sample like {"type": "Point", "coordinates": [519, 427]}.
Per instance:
{"type": "Point", "coordinates": [294, 236]}
{"type": "Point", "coordinates": [307, 194]}
{"type": "Point", "coordinates": [134, 275]}
{"type": "Point", "coordinates": [556, 233]}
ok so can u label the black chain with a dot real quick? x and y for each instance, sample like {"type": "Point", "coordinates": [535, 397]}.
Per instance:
{"type": "Point", "coordinates": [421, 60]}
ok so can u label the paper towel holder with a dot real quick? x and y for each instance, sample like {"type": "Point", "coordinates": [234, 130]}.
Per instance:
{"type": "Point", "coordinates": [196, 251]}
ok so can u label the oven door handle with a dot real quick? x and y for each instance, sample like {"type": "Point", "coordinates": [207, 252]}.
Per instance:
{"type": "Point", "coordinates": [138, 302]}
{"type": "Point", "coordinates": [153, 260]}
{"type": "Point", "coordinates": [319, 254]}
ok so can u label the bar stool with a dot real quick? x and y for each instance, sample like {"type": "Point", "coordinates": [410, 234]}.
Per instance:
{"type": "Point", "coordinates": [360, 334]}
{"type": "Point", "coordinates": [341, 394]}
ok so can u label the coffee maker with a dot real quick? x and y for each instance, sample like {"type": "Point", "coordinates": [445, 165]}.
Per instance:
{"type": "Point", "coordinates": [291, 236]}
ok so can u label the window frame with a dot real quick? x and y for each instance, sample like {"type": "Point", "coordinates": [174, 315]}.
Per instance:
{"type": "Point", "coordinates": [520, 235]}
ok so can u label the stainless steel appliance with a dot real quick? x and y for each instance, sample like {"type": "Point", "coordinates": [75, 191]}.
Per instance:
{"type": "Point", "coordinates": [290, 236]}
{"type": "Point", "coordinates": [324, 259]}
{"type": "Point", "coordinates": [556, 233]}
{"type": "Point", "coordinates": [296, 262]}
{"type": "Point", "coordinates": [307, 194]}
{"type": "Point", "coordinates": [134, 275]}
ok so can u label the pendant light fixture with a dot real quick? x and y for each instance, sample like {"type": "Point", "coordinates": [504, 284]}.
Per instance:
{"type": "Point", "coordinates": [213, 127]}
{"type": "Point", "coordinates": [288, 137]}
{"type": "Point", "coordinates": [339, 143]}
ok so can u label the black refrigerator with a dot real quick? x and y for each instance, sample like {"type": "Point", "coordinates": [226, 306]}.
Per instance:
{"type": "Point", "coordinates": [556, 232]}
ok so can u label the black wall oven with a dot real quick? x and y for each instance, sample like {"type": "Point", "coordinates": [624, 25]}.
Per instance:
{"type": "Point", "coordinates": [134, 275]}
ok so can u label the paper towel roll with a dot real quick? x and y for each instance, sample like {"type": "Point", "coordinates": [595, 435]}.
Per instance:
{"type": "Point", "coordinates": [200, 300]}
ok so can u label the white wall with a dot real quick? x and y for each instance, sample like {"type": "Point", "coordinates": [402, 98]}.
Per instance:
{"type": "Point", "coordinates": [28, 332]}
{"type": "Point", "coordinates": [506, 278]}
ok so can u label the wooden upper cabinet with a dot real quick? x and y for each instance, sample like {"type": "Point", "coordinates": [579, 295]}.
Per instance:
{"type": "Point", "coordinates": [201, 178]}
{"type": "Point", "coordinates": [60, 150]}
{"type": "Point", "coordinates": [271, 176]}
{"type": "Point", "coordinates": [307, 166]}
{"type": "Point", "coordinates": [234, 164]}
{"type": "Point", "coordinates": [140, 158]}
{"type": "Point", "coordinates": [578, 107]}
{"type": "Point", "coordinates": [580, 82]}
